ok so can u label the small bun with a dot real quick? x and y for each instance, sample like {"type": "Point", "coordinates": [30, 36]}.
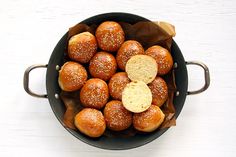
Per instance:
{"type": "Point", "coordinates": [82, 47]}
{"type": "Point", "coordinates": [94, 93]}
{"type": "Point", "coordinates": [148, 120]}
{"type": "Point", "coordinates": [159, 91]}
{"type": "Point", "coordinates": [72, 76]}
{"type": "Point", "coordinates": [110, 36]}
{"type": "Point", "coordinates": [137, 97]}
{"type": "Point", "coordinates": [90, 122]}
{"type": "Point", "coordinates": [128, 49]}
{"type": "Point", "coordinates": [103, 65]}
{"type": "Point", "coordinates": [141, 68]}
{"type": "Point", "coordinates": [163, 58]}
{"type": "Point", "coordinates": [116, 116]}
{"type": "Point", "coordinates": [117, 84]}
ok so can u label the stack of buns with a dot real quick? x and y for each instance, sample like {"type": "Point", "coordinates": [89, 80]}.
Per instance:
{"type": "Point", "coordinates": [120, 83]}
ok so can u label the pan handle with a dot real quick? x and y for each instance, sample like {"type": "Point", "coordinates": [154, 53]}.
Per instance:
{"type": "Point", "coordinates": [206, 75]}
{"type": "Point", "coordinates": [26, 80]}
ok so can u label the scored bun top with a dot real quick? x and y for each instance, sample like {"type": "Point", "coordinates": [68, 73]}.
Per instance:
{"type": "Point", "coordinates": [110, 36]}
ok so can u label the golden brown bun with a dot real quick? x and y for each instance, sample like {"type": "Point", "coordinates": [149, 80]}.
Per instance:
{"type": "Point", "coordinates": [110, 36]}
{"type": "Point", "coordinates": [136, 97]}
{"type": "Point", "coordinates": [159, 91]}
{"type": "Point", "coordinates": [148, 120]}
{"type": "Point", "coordinates": [94, 93]}
{"type": "Point", "coordinates": [128, 49]}
{"type": "Point", "coordinates": [90, 122]}
{"type": "Point", "coordinates": [72, 76]}
{"type": "Point", "coordinates": [82, 47]}
{"type": "Point", "coordinates": [141, 68]}
{"type": "Point", "coordinates": [163, 58]}
{"type": "Point", "coordinates": [117, 84]}
{"type": "Point", "coordinates": [116, 116]}
{"type": "Point", "coordinates": [102, 65]}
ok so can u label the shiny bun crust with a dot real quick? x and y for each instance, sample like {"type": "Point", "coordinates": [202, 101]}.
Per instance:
{"type": "Point", "coordinates": [110, 36]}
{"type": "Point", "coordinates": [148, 120]}
{"type": "Point", "coordinates": [82, 47]}
{"type": "Point", "coordinates": [128, 49]}
{"type": "Point", "coordinates": [90, 122]}
{"type": "Point", "coordinates": [163, 58]}
{"type": "Point", "coordinates": [116, 116]}
{"type": "Point", "coordinates": [72, 76]}
{"type": "Point", "coordinates": [159, 91]}
{"type": "Point", "coordinates": [103, 65]}
{"type": "Point", "coordinates": [117, 84]}
{"type": "Point", "coordinates": [94, 93]}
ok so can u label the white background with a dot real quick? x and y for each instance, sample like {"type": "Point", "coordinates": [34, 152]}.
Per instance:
{"type": "Point", "coordinates": [206, 31]}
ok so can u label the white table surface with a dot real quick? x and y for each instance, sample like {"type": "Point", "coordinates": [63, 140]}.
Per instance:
{"type": "Point", "coordinates": [206, 31]}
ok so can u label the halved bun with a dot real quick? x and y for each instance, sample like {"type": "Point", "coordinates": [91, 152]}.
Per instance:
{"type": "Point", "coordinates": [141, 68]}
{"type": "Point", "coordinates": [136, 97]}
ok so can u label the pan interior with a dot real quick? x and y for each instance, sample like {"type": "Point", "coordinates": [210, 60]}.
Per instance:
{"type": "Point", "coordinates": [108, 142]}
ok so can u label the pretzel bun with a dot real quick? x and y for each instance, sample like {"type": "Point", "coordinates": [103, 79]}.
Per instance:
{"type": "Point", "coordinates": [148, 120]}
{"type": "Point", "coordinates": [110, 36]}
{"type": "Point", "coordinates": [128, 49]}
{"type": "Point", "coordinates": [116, 116]}
{"type": "Point", "coordinates": [163, 58]}
{"type": "Point", "coordinates": [90, 122]}
{"type": "Point", "coordinates": [72, 76]}
{"type": "Point", "coordinates": [102, 65]}
{"type": "Point", "coordinates": [117, 84]}
{"type": "Point", "coordinates": [159, 91]}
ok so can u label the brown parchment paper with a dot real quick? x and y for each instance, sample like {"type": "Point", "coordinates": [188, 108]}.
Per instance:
{"type": "Point", "coordinates": [148, 34]}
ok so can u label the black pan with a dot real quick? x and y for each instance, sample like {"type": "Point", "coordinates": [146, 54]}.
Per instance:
{"type": "Point", "coordinates": [115, 143]}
